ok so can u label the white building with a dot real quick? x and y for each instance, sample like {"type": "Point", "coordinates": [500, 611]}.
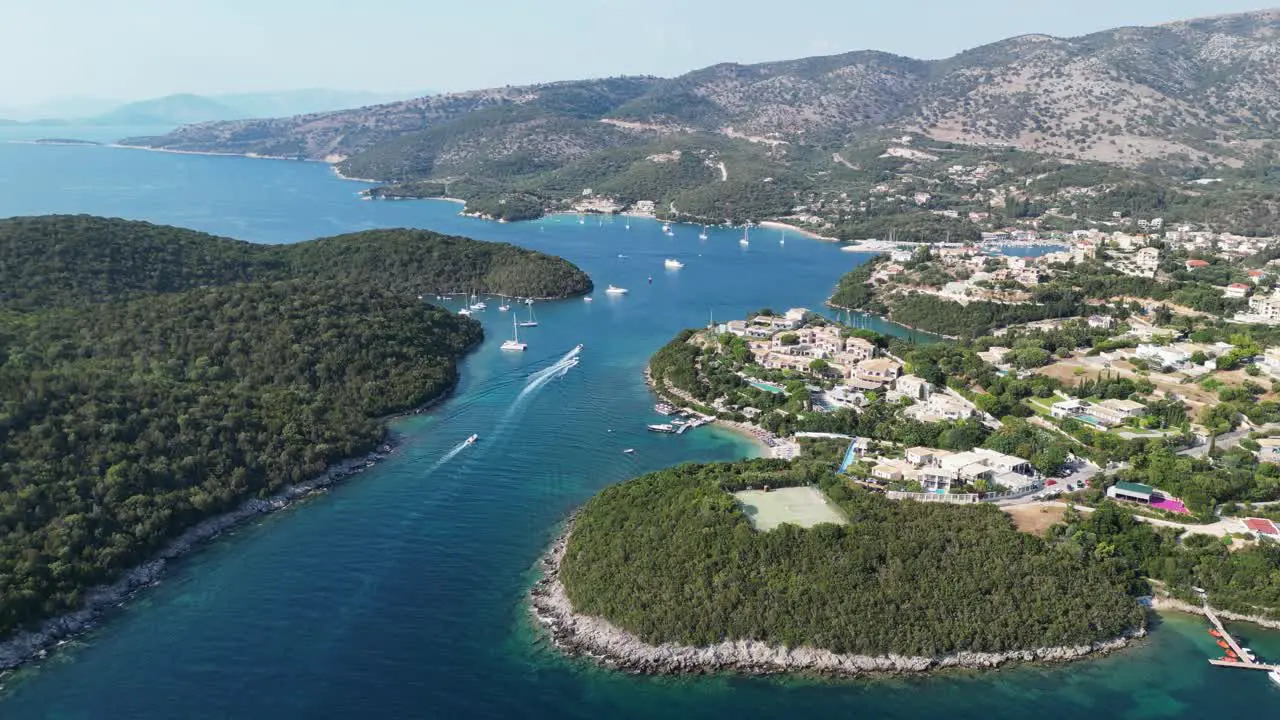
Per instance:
{"type": "Point", "coordinates": [1236, 291]}
{"type": "Point", "coordinates": [913, 386]}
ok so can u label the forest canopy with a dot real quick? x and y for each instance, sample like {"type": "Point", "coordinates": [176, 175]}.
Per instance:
{"type": "Point", "coordinates": [671, 557]}
{"type": "Point", "coordinates": [151, 377]}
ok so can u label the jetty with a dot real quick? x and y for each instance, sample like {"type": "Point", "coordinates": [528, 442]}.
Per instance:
{"type": "Point", "coordinates": [1242, 659]}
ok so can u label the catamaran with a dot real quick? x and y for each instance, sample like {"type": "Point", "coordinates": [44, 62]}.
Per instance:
{"type": "Point", "coordinates": [672, 264]}
{"type": "Point", "coordinates": [532, 321]}
{"type": "Point", "coordinates": [614, 290]}
{"type": "Point", "coordinates": [514, 343]}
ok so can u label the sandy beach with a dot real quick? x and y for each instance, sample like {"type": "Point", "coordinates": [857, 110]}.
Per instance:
{"type": "Point", "coordinates": [775, 225]}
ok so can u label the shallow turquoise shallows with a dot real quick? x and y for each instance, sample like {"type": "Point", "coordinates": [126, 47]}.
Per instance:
{"type": "Point", "coordinates": [399, 594]}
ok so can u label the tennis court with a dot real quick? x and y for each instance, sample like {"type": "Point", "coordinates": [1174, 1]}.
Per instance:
{"type": "Point", "coordinates": [803, 506]}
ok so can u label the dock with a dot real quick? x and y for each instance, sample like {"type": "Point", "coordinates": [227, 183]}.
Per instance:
{"type": "Point", "coordinates": [1244, 658]}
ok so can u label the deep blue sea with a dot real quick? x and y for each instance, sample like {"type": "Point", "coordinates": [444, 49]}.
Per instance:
{"type": "Point", "coordinates": [399, 594]}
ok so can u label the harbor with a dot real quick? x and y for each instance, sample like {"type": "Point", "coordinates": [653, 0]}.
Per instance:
{"type": "Point", "coordinates": [687, 420]}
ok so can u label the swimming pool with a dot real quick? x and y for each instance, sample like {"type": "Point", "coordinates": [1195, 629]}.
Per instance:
{"type": "Point", "coordinates": [768, 387]}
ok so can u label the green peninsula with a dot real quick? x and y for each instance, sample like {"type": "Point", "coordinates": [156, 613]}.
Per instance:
{"type": "Point", "coordinates": [152, 377]}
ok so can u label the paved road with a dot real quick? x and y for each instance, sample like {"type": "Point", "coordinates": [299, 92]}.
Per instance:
{"type": "Point", "coordinates": [1225, 441]}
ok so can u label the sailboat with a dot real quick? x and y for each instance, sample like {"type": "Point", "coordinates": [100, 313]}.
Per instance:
{"type": "Point", "coordinates": [477, 305]}
{"type": "Point", "coordinates": [582, 220]}
{"type": "Point", "coordinates": [532, 321]}
{"type": "Point", "coordinates": [514, 343]}
{"type": "Point", "coordinates": [703, 235]}
{"type": "Point", "coordinates": [504, 306]}
{"type": "Point", "coordinates": [746, 232]}
{"type": "Point", "coordinates": [666, 227]}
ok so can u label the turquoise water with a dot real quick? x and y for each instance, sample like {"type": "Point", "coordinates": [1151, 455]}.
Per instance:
{"type": "Point", "coordinates": [768, 387]}
{"type": "Point", "coordinates": [399, 594]}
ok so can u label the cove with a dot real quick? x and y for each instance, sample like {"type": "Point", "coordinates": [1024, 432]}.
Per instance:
{"type": "Point", "coordinates": [400, 593]}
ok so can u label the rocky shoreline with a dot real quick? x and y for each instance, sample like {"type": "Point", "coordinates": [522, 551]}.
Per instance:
{"type": "Point", "coordinates": [607, 645]}
{"type": "Point", "coordinates": [33, 645]}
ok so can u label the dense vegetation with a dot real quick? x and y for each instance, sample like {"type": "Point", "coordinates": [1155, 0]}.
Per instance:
{"type": "Point", "coordinates": [671, 557]}
{"type": "Point", "coordinates": [68, 259]}
{"type": "Point", "coordinates": [135, 401]}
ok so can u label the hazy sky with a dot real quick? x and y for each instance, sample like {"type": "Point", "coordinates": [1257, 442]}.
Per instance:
{"type": "Point", "coordinates": [131, 49]}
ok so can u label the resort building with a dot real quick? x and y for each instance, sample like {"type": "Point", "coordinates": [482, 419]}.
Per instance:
{"type": "Point", "coordinates": [878, 370]}
{"type": "Point", "coordinates": [914, 387]}
{"type": "Point", "coordinates": [941, 407]}
{"type": "Point", "coordinates": [952, 469]}
{"type": "Point", "coordinates": [1068, 408]}
{"type": "Point", "coordinates": [1236, 291]}
{"type": "Point", "coordinates": [860, 348]}
{"type": "Point", "coordinates": [1116, 412]}
{"type": "Point", "coordinates": [1102, 322]}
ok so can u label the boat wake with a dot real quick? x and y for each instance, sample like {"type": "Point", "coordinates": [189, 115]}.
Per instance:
{"type": "Point", "coordinates": [450, 455]}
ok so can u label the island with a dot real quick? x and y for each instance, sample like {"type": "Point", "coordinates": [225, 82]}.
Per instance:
{"type": "Point", "coordinates": [157, 384]}
{"type": "Point", "coordinates": [767, 566]}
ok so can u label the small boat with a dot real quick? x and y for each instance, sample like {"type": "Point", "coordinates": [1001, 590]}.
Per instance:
{"type": "Point", "coordinates": [628, 225]}
{"type": "Point", "coordinates": [514, 343]}
{"type": "Point", "coordinates": [472, 440]}
{"type": "Point", "coordinates": [1275, 676]}
{"type": "Point", "coordinates": [582, 220]}
{"type": "Point", "coordinates": [703, 235]}
{"type": "Point", "coordinates": [1223, 644]}
{"type": "Point", "coordinates": [614, 290]}
{"type": "Point", "coordinates": [666, 227]}
{"type": "Point", "coordinates": [661, 428]}
{"type": "Point", "coordinates": [629, 451]}
{"type": "Point", "coordinates": [1215, 633]}
{"type": "Point", "coordinates": [464, 311]}
{"type": "Point", "coordinates": [532, 321]}
{"type": "Point", "coordinates": [588, 299]}
{"type": "Point", "coordinates": [650, 279]}
{"type": "Point", "coordinates": [621, 256]}
{"type": "Point", "coordinates": [504, 306]}
{"type": "Point", "coordinates": [744, 242]}
{"type": "Point", "coordinates": [672, 264]}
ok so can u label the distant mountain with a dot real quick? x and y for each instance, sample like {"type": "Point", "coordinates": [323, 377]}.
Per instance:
{"type": "Point", "coordinates": [169, 110]}
{"type": "Point", "coordinates": [1203, 91]}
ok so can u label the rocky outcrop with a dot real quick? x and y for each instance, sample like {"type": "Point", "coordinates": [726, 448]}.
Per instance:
{"type": "Point", "coordinates": [611, 646]}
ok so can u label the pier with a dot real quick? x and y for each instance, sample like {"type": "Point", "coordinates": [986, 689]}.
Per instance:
{"type": "Point", "coordinates": [1246, 660]}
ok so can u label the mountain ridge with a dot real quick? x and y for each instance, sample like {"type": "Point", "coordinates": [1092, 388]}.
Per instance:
{"type": "Point", "coordinates": [1199, 88]}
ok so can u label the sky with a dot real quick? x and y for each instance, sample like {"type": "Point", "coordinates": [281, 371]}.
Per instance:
{"type": "Point", "coordinates": [135, 49]}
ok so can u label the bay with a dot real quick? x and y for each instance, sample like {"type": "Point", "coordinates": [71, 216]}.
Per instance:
{"type": "Point", "coordinates": [399, 594]}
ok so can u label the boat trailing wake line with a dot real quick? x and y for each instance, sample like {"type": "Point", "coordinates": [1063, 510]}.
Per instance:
{"type": "Point", "coordinates": [451, 454]}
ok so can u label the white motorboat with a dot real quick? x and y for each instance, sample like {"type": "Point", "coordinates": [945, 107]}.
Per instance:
{"type": "Point", "coordinates": [472, 440]}
{"type": "Point", "coordinates": [614, 290]}
{"type": "Point", "coordinates": [464, 311]}
{"type": "Point", "coordinates": [629, 451]}
{"type": "Point", "coordinates": [1275, 676]}
{"type": "Point", "coordinates": [588, 299]}
{"type": "Point", "coordinates": [672, 264]}
{"type": "Point", "coordinates": [661, 428]}
{"type": "Point", "coordinates": [666, 227]}
{"type": "Point", "coordinates": [514, 343]}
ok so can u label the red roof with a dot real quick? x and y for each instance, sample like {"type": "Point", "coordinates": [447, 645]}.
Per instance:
{"type": "Point", "coordinates": [1197, 263]}
{"type": "Point", "coordinates": [1239, 285]}
{"type": "Point", "coordinates": [1261, 525]}
{"type": "Point", "coordinates": [1256, 273]}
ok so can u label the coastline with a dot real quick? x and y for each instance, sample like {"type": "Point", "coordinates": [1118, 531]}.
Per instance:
{"type": "Point", "coordinates": [778, 225]}
{"type": "Point", "coordinates": [759, 437]}
{"type": "Point", "coordinates": [1165, 603]}
{"type": "Point", "coordinates": [888, 319]}
{"type": "Point", "coordinates": [28, 646]}
{"type": "Point", "coordinates": [597, 639]}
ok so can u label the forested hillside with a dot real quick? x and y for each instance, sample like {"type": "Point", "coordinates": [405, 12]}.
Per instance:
{"type": "Point", "coordinates": [151, 377]}
{"type": "Point", "coordinates": [57, 260]}
{"type": "Point", "coordinates": [671, 557]}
